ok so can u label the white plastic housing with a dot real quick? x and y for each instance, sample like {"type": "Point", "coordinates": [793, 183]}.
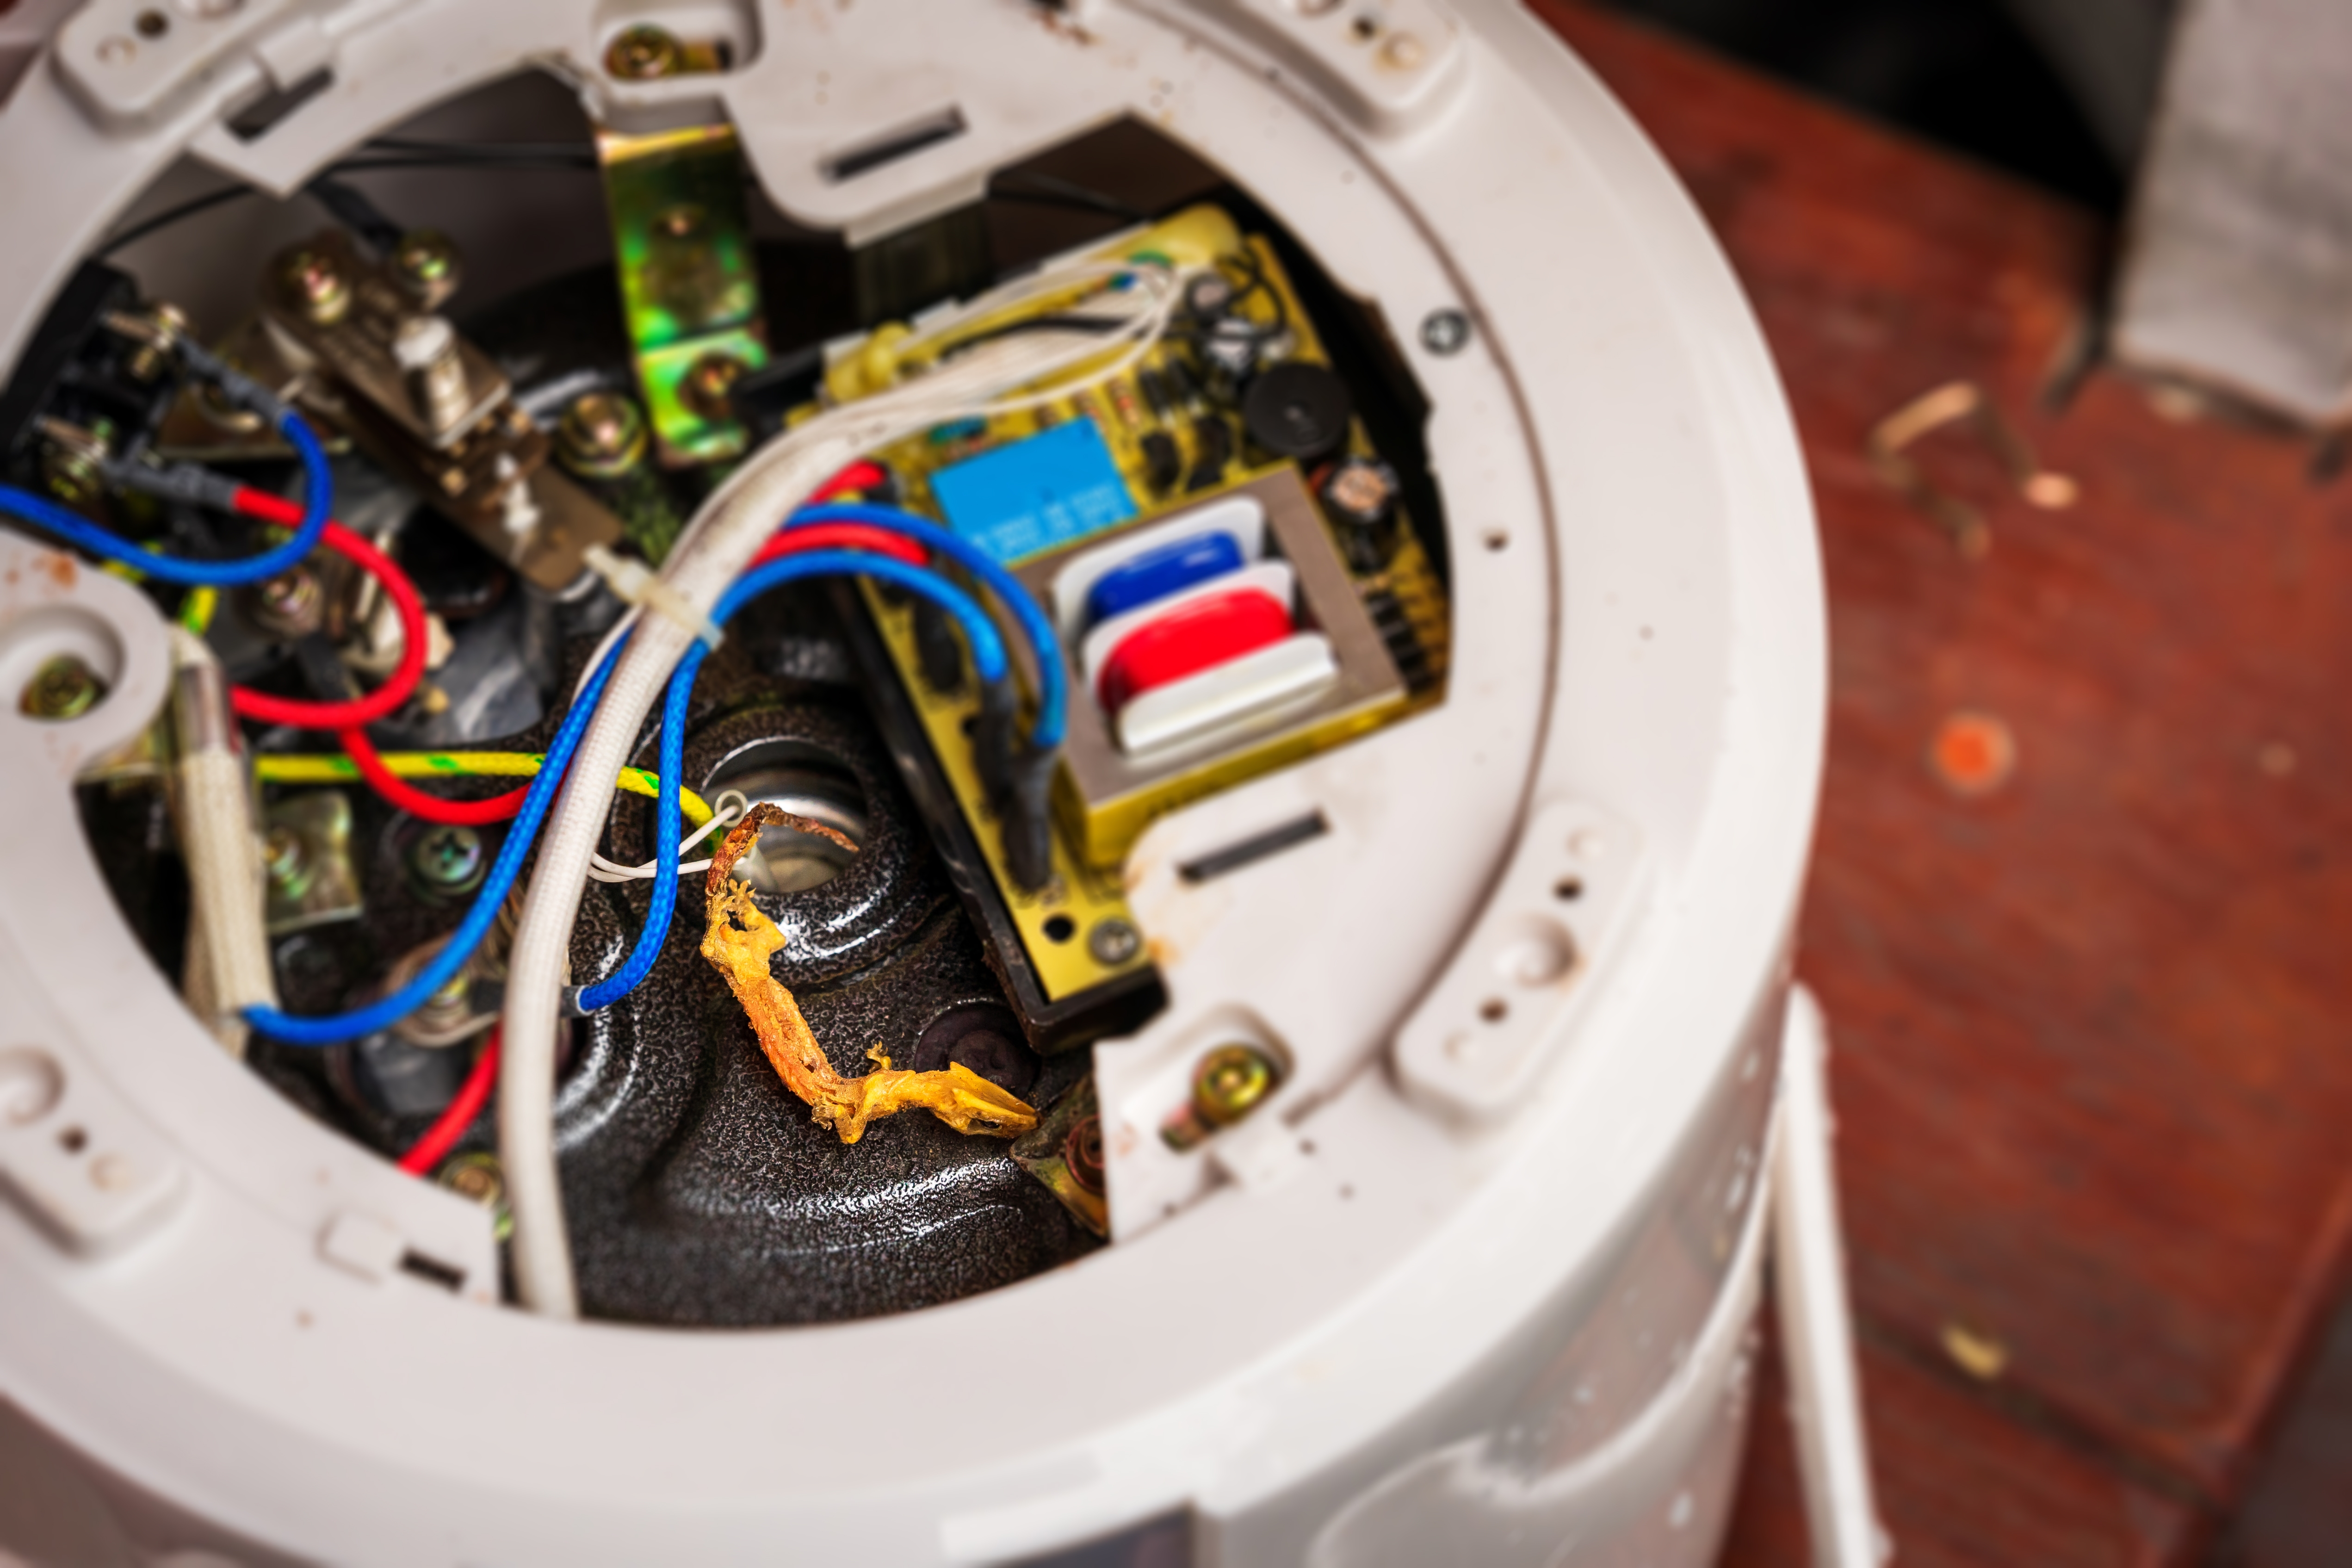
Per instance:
{"type": "Point", "coordinates": [1404, 1285]}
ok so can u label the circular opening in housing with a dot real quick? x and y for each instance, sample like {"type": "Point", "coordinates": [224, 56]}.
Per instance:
{"type": "Point", "coordinates": [806, 781]}
{"type": "Point", "coordinates": [982, 1036]}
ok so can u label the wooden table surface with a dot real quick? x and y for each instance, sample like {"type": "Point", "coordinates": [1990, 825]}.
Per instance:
{"type": "Point", "coordinates": [2095, 1107]}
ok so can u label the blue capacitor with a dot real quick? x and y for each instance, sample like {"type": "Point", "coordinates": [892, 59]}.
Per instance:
{"type": "Point", "coordinates": [1166, 569]}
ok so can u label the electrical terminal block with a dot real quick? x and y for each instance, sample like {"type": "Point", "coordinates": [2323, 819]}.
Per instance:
{"type": "Point", "coordinates": [431, 407]}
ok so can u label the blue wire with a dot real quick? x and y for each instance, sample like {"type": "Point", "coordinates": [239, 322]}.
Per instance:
{"type": "Point", "coordinates": [987, 658]}
{"type": "Point", "coordinates": [317, 501]}
{"type": "Point", "coordinates": [336, 1028]}
{"type": "Point", "coordinates": [1035, 624]}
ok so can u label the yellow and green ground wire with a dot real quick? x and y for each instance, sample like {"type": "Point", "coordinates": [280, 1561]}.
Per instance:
{"type": "Point", "coordinates": [333, 767]}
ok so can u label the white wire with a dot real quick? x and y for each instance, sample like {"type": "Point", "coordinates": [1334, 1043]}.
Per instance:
{"type": "Point", "coordinates": [614, 633]}
{"type": "Point", "coordinates": [1008, 297]}
{"type": "Point", "coordinates": [709, 554]}
{"type": "Point", "coordinates": [722, 815]}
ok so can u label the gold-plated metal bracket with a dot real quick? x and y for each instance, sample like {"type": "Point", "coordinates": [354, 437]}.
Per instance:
{"type": "Point", "coordinates": [689, 282]}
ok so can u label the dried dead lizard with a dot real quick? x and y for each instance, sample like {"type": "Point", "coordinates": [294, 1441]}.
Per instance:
{"type": "Point", "coordinates": [739, 943]}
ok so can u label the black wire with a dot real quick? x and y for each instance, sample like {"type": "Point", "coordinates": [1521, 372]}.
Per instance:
{"type": "Point", "coordinates": [569, 152]}
{"type": "Point", "coordinates": [1257, 285]}
{"type": "Point", "coordinates": [356, 211]}
{"type": "Point", "coordinates": [399, 155]}
{"type": "Point", "coordinates": [1052, 190]}
{"type": "Point", "coordinates": [365, 163]}
{"type": "Point", "coordinates": [171, 215]}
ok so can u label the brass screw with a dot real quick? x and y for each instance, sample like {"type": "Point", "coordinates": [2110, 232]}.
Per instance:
{"type": "Point", "coordinates": [601, 436]}
{"type": "Point", "coordinates": [1230, 1083]}
{"type": "Point", "coordinates": [428, 266]}
{"type": "Point", "coordinates": [681, 223]}
{"type": "Point", "coordinates": [290, 605]}
{"type": "Point", "coordinates": [316, 286]}
{"type": "Point", "coordinates": [167, 324]}
{"type": "Point", "coordinates": [64, 688]}
{"type": "Point", "coordinates": [287, 861]}
{"type": "Point", "coordinates": [481, 1177]}
{"type": "Point", "coordinates": [1082, 1152]}
{"type": "Point", "coordinates": [71, 473]}
{"type": "Point", "coordinates": [708, 381]}
{"type": "Point", "coordinates": [644, 53]}
{"type": "Point", "coordinates": [446, 1009]}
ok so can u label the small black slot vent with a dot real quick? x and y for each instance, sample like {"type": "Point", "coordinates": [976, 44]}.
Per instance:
{"type": "Point", "coordinates": [433, 1271]}
{"type": "Point", "coordinates": [903, 142]}
{"type": "Point", "coordinates": [258, 119]}
{"type": "Point", "coordinates": [1256, 847]}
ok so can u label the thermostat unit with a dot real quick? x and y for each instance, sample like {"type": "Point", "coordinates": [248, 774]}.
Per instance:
{"type": "Point", "coordinates": [985, 783]}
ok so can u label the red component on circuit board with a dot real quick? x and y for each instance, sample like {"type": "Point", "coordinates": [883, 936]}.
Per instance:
{"type": "Point", "coordinates": [1198, 635]}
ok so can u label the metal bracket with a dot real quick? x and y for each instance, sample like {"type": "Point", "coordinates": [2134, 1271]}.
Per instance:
{"type": "Point", "coordinates": [689, 281]}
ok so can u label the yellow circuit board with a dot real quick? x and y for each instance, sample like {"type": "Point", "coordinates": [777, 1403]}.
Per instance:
{"type": "Point", "coordinates": [1078, 929]}
{"type": "Point", "coordinates": [1079, 916]}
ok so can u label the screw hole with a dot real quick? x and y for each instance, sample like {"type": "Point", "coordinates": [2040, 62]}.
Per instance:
{"type": "Point", "coordinates": [73, 1140]}
{"type": "Point", "coordinates": [1497, 540]}
{"type": "Point", "coordinates": [1060, 928]}
{"type": "Point", "coordinates": [1494, 1009]}
{"type": "Point", "coordinates": [153, 24]}
{"type": "Point", "coordinates": [1367, 28]}
{"type": "Point", "coordinates": [1568, 890]}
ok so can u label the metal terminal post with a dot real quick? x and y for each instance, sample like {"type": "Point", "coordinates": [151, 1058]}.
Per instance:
{"type": "Point", "coordinates": [426, 348]}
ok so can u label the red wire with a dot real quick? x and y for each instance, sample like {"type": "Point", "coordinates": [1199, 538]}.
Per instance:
{"type": "Point", "coordinates": [386, 699]}
{"type": "Point", "coordinates": [861, 475]}
{"type": "Point", "coordinates": [841, 536]}
{"type": "Point", "coordinates": [401, 793]}
{"type": "Point", "coordinates": [347, 717]}
{"type": "Point", "coordinates": [452, 1123]}
{"type": "Point", "coordinates": [398, 792]}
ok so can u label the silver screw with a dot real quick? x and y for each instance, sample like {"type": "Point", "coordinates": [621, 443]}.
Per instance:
{"type": "Point", "coordinates": [1114, 941]}
{"type": "Point", "coordinates": [1445, 331]}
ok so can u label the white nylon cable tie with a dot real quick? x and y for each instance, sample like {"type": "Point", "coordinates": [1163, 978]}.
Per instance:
{"type": "Point", "coordinates": [634, 583]}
